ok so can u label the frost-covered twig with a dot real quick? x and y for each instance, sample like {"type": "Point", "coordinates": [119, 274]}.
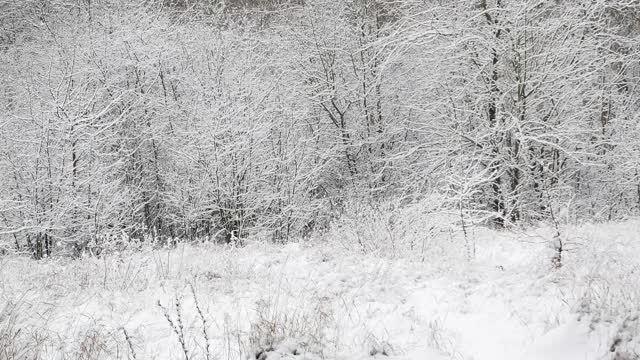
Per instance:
{"type": "Point", "coordinates": [204, 323]}
{"type": "Point", "coordinates": [129, 343]}
{"type": "Point", "coordinates": [177, 329]}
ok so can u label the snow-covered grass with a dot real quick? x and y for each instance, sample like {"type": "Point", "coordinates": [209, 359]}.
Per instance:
{"type": "Point", "coordinates": [333, 298]}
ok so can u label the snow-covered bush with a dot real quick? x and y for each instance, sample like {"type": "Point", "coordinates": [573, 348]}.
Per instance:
{"type": "Point", "coordinates": [419, 230]}
{"type": "Point", "coordinates": [604, 263]}
{"type": "Point", "coordinates": [290, 329]}
{"type": "Point", "coordinates": [15, 344]}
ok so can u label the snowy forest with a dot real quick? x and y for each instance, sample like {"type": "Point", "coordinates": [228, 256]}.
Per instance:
{"type": "Point", "coordinates": [208, 119]}
{"type": "Point", "coordinates": [488, 141]}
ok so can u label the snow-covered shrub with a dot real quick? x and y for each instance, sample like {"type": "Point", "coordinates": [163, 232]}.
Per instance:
{"type": "Point", "coordinates": [604, 261]}
{"type": "Point", "coordinates": [10, 339]}
{"type": "Point", "coordinates": [18, 341]}
{"type": "Point", "coordinates": [419, 230]}
{"type": "Point", "coordinates": [93, 345]}
{"type": "Point", "coordinates": [441, 340]}
{"type": "Point", "coordinates": [292, 330]}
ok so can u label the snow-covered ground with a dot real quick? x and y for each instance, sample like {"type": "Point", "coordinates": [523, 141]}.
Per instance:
{"type": "Point", "coordinates": [332, 301]}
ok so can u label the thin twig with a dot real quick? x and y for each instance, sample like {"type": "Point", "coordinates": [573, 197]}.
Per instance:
{"type": "Point", "coordinates": [204, 322]}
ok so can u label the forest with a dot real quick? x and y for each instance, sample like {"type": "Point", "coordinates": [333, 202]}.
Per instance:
{"type": "Point", "coordinates": [319, 179]}
{"type": "Point", "coordinates": [222, 120]}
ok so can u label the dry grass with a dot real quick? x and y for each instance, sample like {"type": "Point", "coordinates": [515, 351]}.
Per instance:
{"type": "Point", "coordinates": [307, 327]}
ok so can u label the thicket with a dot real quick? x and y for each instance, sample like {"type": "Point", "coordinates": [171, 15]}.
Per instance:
{"type": "Point", "coordinates": [196, 119]}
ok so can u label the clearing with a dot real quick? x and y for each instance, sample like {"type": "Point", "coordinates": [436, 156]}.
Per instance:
{"type": "Point", "coordinates": [331, 301]}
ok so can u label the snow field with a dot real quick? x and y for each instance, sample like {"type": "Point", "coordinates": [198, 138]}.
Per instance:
{"type": "Point", "coordinates": [334, 300]}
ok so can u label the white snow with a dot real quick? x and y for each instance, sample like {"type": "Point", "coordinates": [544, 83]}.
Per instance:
{"type": "Point", "coordinates": [325, 302]}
